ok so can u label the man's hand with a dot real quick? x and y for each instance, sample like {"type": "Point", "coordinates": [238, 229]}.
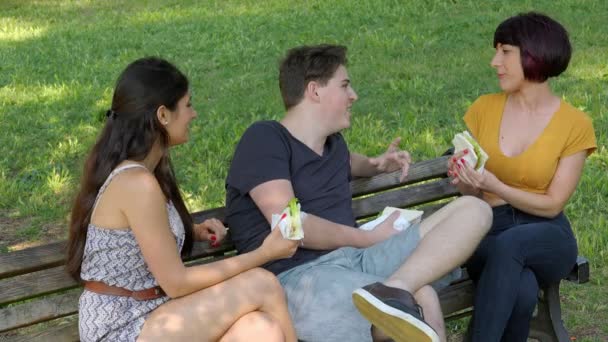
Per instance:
{"type": "Point", "coordinates": [392, 160]}
{"type": "Point", "coordinates": [384, 230]}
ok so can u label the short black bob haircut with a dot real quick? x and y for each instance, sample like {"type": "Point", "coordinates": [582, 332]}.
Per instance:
{"type": "Point", "coordinates": [543, 42]}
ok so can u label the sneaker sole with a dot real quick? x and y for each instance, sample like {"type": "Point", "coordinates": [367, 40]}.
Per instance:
{"type": "Point", "coordinates": [399, 325]}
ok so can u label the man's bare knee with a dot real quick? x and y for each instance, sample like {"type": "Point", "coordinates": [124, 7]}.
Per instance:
{"type": "Point", "coordinates": [484, 214]}
{"type": "Point", "coordinates": [478, 210]}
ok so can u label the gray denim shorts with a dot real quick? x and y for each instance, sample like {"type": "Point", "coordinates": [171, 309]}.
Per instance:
{"type": "Point", "coordinates": [319, 292]}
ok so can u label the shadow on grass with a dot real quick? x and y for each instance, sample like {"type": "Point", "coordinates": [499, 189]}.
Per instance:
{"type": "Point", "coordinates": [416, 67]}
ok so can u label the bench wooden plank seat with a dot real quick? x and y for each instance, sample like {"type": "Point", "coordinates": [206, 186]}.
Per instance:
{"type": "Point", "coordinates": [39, 301]}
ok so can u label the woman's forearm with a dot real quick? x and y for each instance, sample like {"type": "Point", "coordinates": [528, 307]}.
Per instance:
{"type": "Point", "coordinates": [537, 204]}
{"type": "Point", "coordinates": [195, 278]}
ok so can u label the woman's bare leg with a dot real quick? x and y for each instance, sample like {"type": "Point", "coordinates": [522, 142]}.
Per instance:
{"type": "Point", "coordinates": [254, 327]}
{"type": "Point", "coordinates": [206, 315]}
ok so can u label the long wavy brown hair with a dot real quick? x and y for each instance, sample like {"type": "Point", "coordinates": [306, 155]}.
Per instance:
{"type": "Point", "coordinates": [130, 131]}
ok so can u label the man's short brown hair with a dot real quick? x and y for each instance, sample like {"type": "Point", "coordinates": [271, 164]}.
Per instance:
{"type": "Point", "coordinates": [308, 63]}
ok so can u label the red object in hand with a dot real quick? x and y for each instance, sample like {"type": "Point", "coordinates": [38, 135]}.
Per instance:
{"type": "Point", "coordinates": [212, 238]}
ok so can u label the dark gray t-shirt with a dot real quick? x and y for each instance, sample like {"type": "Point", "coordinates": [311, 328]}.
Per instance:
{"type": "Point", "coordinates": [267, 151]}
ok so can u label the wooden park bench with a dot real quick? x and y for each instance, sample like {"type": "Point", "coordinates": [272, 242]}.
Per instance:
{"type": "Point", "coordinates": [39, 301]}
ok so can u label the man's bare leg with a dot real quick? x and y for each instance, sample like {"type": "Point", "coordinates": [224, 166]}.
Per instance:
{"type": "Point", "coordinates": [448, 238]}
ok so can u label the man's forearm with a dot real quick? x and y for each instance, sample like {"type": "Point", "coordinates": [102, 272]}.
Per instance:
{"type": "Point", "coordinates": [324, 235]}
{"type": "Point", "coordinates": [360, 166]}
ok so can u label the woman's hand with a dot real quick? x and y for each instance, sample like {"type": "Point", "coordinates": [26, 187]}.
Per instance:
{"type": "Point", "coordinates": [464, 173]}
{"type": "Point", "coordinates": [453, 168]}
{"type": "Point", "coordinates": [453, 171]}
{"type": "Point", "coordinates": [210, 230]}
{"type": "Point", "coordinates": [275, 246]}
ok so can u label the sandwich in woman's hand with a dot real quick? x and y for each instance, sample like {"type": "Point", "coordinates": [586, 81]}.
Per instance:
{"type": "Point", "coordinates": [476, 156]}
{"type": "Point", "coordinates": [289, 221]}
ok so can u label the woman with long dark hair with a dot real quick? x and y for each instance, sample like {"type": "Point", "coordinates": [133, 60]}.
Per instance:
{"type": "Point", "coordinates": [129, 226]}
{"type": "Point", "coordinates": [537, 145]}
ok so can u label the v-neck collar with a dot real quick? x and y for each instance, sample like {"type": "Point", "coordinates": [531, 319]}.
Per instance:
{"type": "Point", "coordinates": [542, 134]}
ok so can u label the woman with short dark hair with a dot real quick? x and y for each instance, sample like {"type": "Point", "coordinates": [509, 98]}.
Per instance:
{"type": "Point", "coordinates": [129, 226]}
{"type": "Point", "coordinates": [537, 146]}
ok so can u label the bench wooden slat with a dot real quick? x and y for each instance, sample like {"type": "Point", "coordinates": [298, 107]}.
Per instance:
{"type": "Point", "coordinates": [418, 172]}
{"type": "Point", "coordinates": [456, 297]}
{"type": "Point", "coordinates": [404, 197]}
{"type": "Point", "coordinates": [55, 306]}
{"type": "Point", "coordinates": [430, 209]}
{"type": "Point", "coordinates": [54, 279]}
{"type": "Point", "coordinates": [62, 332]}
{"type": "Point", "coordinates": [36, 283]}
{"type": "Point", "coordinates": [203, 250]}
{"type": "Point", "coordinates": [32, 259]}
{"type": "Point", "coordinates": [42, 310]}
{"type": "Point", "coordinates": [37, 258]}
{"type": "Point", "coordinates": [218, 213]}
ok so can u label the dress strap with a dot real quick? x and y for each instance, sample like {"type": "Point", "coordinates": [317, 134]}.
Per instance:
{"type": "Point", "coordinates": [114, 172]}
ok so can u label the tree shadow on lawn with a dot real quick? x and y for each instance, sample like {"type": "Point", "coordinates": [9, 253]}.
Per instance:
{"type": "Point", "coordinates": [231, 55]}
{"type": "Point", "coordinates": [20, 233]}
{"type": "Point", "coordinates": [58, 82]}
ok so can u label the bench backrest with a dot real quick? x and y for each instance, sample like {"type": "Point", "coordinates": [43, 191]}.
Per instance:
{"type": "Point", "coordinates": [34, 287]}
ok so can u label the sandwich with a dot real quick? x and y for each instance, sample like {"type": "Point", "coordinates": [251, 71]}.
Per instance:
{"type": "Point", "coordinates": [290, 221]}
{"type": "Point", "coordinates": [294, 230]}
{"type": "Point", "coordinates": [476, 156]}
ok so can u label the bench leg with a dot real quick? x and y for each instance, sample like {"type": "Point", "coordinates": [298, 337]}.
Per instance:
{"type": "Point", "coordinates": [547, 324]}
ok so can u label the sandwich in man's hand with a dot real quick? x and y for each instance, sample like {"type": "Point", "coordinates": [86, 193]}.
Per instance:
{"type": "Point", "coordinates": [476, 156]}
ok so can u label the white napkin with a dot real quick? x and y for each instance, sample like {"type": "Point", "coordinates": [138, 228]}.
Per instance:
{"type": "Point", "coordinates": [405, 220]}
{"type": "Point", "coordinates": [285, 223]}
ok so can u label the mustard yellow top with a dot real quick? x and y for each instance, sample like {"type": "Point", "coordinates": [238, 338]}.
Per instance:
{"type": "Point", "coordinates": [569, 131]}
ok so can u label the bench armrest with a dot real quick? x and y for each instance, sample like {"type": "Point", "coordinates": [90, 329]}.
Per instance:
{"type": "Point", "coordinates": [580, 272]}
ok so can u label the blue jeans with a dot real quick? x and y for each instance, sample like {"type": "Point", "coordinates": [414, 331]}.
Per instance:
{"type": "Point", "coordinates": [521, 253]}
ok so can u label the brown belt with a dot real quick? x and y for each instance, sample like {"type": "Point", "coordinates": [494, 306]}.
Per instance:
{"type": "Point", "coordinates": [105, 289]}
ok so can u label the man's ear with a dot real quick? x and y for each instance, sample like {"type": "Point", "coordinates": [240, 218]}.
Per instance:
{"type": "Point", "coordinates": [163, 115]}
{"type": "Point", "coordinates": [312, 91]}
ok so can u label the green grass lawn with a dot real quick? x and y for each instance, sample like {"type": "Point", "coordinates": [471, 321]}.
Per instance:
{"type": "Point", "coordinates": [416, 66]}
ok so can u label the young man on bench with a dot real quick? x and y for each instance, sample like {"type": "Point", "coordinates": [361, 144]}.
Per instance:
{"type": "Point", "coordinates": [386, 273]}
